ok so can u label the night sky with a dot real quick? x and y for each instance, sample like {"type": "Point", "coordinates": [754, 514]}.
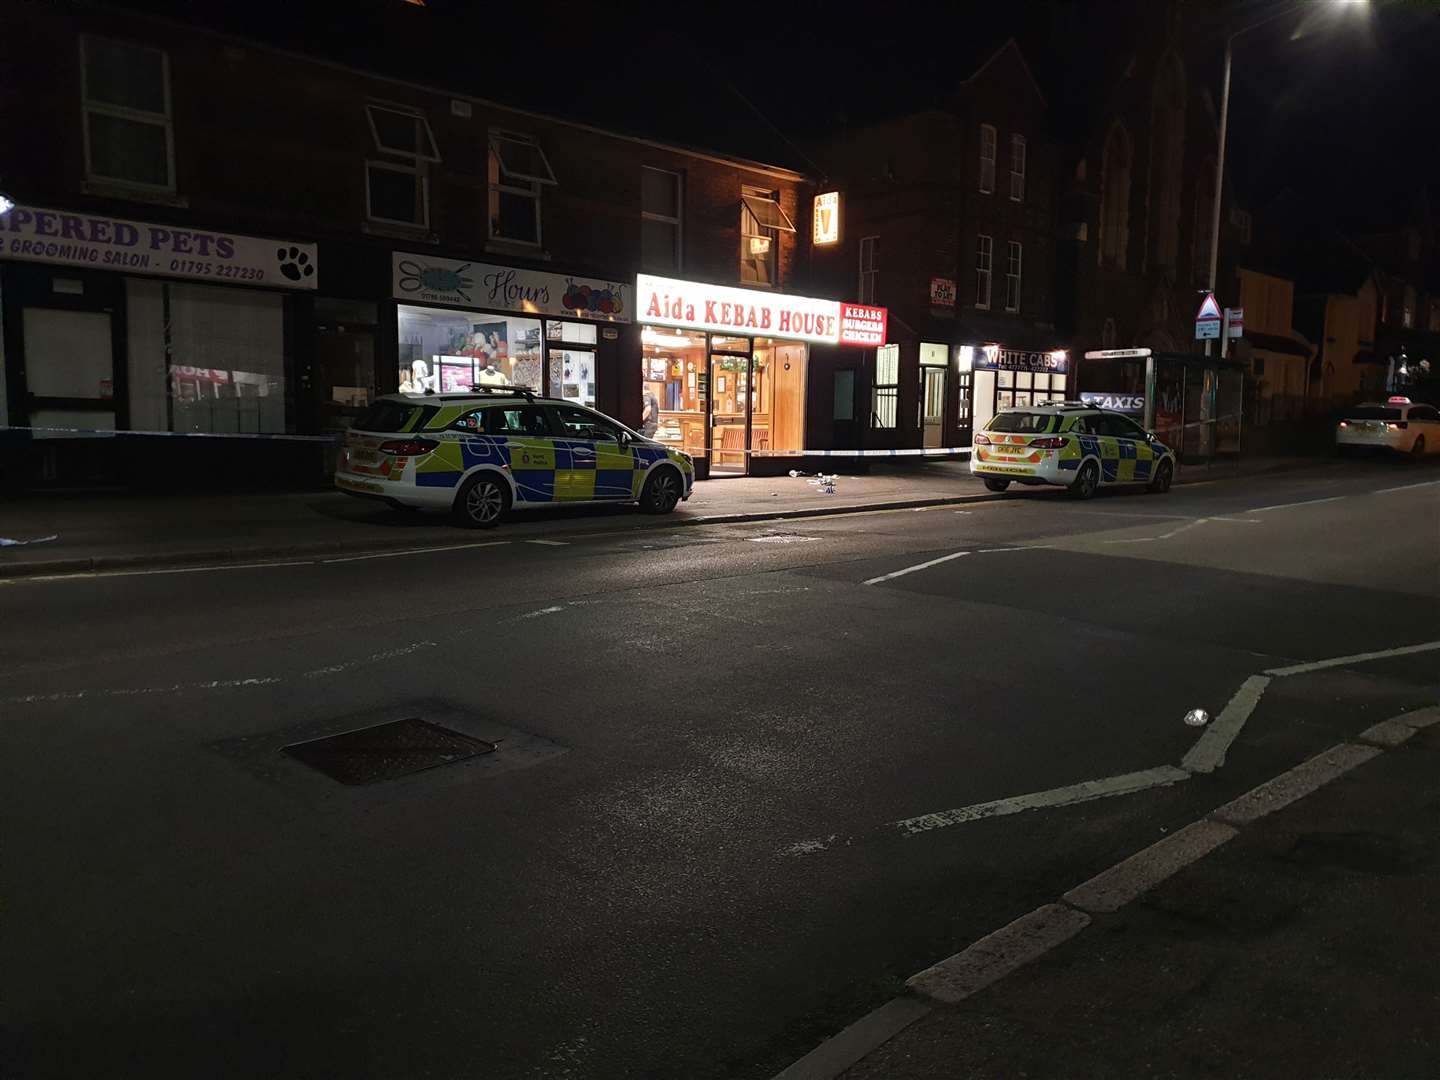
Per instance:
{"type": "Point", "coordinates": [1342, 107]}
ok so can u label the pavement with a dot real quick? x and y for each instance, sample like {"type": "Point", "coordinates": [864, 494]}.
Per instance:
{"type": "Point", "coordinates": [749, 778]}
{"type": "Point", "coordinates": [66, 532]}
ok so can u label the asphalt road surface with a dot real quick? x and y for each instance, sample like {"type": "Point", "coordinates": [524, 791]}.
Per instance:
{"type": "Point", "coordinates": [688, 856]}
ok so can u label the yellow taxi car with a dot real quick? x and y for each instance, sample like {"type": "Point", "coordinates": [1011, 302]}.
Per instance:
{"type": "Point", "coordinates": [1072, 445]}
{"type": "Point", "coordinates": [482, 454]}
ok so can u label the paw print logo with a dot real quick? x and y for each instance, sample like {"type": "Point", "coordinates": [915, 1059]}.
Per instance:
{"type": "Point", "coordinates": [294, 263]}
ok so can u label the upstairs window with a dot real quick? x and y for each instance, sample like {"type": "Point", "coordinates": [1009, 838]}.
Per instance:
{"type": "Point", "coordinates": [397, 183]}
{"type": "Point", "coordinates": [518, 170]}
{"type": "Point", "coordinates": [1012, 277]}
{"type": "Point", "coordinates": [869, 268]}
{"type": "Point", "coordinates": [129, 130]}
{"type": "Point", "coordinates": [661, 199]}
{"type": "Point", "coordinates": [984, 264]}
{"type": "Point", "coordinates": [761, 222]}
{"type": "Point", "coordinates": [1017, 168]}
{"type": "Point", "coordinates": [988, 147]}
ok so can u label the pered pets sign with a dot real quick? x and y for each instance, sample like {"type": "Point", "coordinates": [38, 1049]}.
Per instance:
{"type": "Point", "coordinates": [432, 280]}
{"type": "Point", "coordinates": [95, 242]}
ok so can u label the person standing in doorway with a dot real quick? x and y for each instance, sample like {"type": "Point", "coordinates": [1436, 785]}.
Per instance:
{"type": "Point", "coordinates": [650, 415]}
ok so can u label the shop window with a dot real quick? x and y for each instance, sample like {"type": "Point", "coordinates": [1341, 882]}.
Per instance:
{"type": "Point", "coordinates": [518, 170]}
{"type": "Point", "coordinates": [844, 396]}
{"type": "Point", "coordinates": [1012, 277]}
{"type": "Point", "coordinates": [661, 200]}
{"type": "Point", "coordinates": [1017, 168]}
{"type": "Point", "coordinates": [988, 149]}
{"type": "Point", "coordinates": [442, 351]}
{"type": "Point", "coordinates": [571, 355]}
{"type": "Point", "coordinates": [675, 381]}
{"type": "Point", "coordinates": [761, 222]}
{"type": "Point", "coordinates": [984, 264]}
{"type": "Point", "coordinates": [887, 386]}
{"type": "Point", "coordinates": [129, 131]}
{"type": "Point", "coordinates": [869, 268]}
{"type": "Point", "coordinates": [397, 184]}
{"type": "Point", "coordinates": [205, 359]}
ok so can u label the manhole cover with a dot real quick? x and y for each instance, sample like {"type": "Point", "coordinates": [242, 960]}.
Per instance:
{"type": "Point", "coordinates": [387, 751]}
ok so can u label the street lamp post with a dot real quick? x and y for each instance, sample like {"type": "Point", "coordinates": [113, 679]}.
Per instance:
{"type": "Point", "coordinates": [1224, 124]}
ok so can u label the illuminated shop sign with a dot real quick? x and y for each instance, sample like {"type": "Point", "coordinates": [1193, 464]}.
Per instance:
{"type": "Point", "coordinates": [432, 280]}
{"type": "Point", "coordinates": [825, 229]}
{"type": "Point", "coordinates": [1000, 359]}
{"type": "Point", "coordinates": [1104, 399]}
{"type": "Point", "coordinates": [727, 310]}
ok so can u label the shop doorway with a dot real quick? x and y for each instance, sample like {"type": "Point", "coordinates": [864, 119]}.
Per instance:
{"type": "Point", "coordinates": [70, 370]}
{"type": "Point", "coordinates": [932, 407]}
{"type": "Point", "coordinates": [731, 401]}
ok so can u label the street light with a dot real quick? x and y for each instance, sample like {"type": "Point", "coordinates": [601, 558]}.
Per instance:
{"type": "Point", "coordinates": [1224, 122]}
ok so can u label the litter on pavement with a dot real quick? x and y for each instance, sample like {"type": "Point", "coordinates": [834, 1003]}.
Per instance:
{"type": "Point", "coordinates": [5, 541]}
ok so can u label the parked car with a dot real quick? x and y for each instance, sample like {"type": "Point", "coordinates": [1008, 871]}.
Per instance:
{"type": "Point", "coordinates": [1399, 426]}
{"type": "Point", "coordinates": [482, 454]}
{"type": "Point", "coordinates": [1072, 445]}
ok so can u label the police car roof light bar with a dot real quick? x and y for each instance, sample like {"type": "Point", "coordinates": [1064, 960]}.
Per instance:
{"type": "Point", "coordinates": [505, 391]}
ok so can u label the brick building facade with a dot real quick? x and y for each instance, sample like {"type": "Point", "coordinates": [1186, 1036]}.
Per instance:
{"type": "Point", "coordinates": [358, 203]}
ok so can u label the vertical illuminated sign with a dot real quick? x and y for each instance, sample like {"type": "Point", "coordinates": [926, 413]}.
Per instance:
{"type": "Point", "coordinates": [826, 225]}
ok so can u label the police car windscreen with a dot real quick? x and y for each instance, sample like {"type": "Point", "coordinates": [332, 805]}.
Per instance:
{"type": "Point", "coordinates": [391, 416]}
{"type": "Point", "coordinates": [1022, 423]}
{"type": "Point", "coordinates": [1372, 412]}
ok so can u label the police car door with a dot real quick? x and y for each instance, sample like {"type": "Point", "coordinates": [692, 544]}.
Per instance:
{"type": "Point", "coordinates": [526, 432]}
{"type": "Point", "coordinates": [1135, 456]}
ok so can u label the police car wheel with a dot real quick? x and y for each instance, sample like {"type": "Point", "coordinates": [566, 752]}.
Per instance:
{"type": "Point", "coordinates": [661, 493]}
{"type": "Point", "coordinates": [996, 485]}
{"type": "Point", "coordinates": [1164, 475]}
{"type": "Point", "coordinates": [482, 502]}
{"type": "Point", "coordinates": [1087, 482]}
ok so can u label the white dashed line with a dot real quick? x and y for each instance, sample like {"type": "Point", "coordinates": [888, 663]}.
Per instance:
{"type": "Point", "coordinates": [1287, 506]}
{"type": "Point", "coordinates": [1355, 658]}
{"type": "Point", "coordinates": [550, 543]}
{"type": "Point", "coordinates": [918, 566]}
{"type": "Point", "coordinates": [414, 551]}
{"type": "Point", "coordinates": [1405, 487]}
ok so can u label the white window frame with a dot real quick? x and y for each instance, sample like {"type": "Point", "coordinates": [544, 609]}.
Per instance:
{"type": "Point", "coordinates": [888, 391]}
{"type": "Point", "coordinates": [1017, 168]}
{"type": "Point", "coordinates": [122, 112]}
{"type": "Point", "coordinates": [416, 170]}
{"type": "Point", "coordinates": [869, 268]}
{"type": "Point", "coordinates": [525, 185]}
{"type": "Point", "coordinates": [678, 220]}
{"type": "Point", "coordinates": [1014, 270]}
{"type": "Point", "coordinates": [984, 269]}
{"type": "Point", "coordinates": [770, 232]}
{"type": "Point", "coordinates": [422, 124]}
{"type": "Point", "coordinates": [989, 150]}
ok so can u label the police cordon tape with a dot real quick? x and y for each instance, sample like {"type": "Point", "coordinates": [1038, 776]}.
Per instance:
{"type": "Point", "coordinates": [110, 433]}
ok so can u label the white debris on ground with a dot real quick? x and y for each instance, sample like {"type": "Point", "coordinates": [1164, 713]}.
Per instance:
{"type": "Point", "coordinates": [5, 541]}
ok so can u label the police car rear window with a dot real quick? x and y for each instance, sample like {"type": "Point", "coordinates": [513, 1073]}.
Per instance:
{"type": "Point", "coordinates": [1023, 423]}
{"type": "Point", "coordinates": [1372, 412]}
{"type": "Point", "coordinates": [393, 416]}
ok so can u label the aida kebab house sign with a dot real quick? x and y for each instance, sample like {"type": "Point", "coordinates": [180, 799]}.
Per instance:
{"type": "Point", "coordinates": [726, 310]}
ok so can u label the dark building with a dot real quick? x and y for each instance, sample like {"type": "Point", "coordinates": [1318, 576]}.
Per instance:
{"type": "Point", "coordinates": [244, 234]}
{"type": "Point", "coordinates": [949, 222]}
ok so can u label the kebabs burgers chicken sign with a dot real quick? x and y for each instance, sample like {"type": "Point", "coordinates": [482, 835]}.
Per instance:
{"type": "Point", "coordinates": [722, 309]}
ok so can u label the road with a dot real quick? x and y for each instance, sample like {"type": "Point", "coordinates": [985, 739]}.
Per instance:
{"type": "Point", "coordinates": [715, 831]}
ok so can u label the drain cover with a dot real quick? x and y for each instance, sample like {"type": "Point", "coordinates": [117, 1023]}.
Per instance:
{"type": "Point", "coordinates": [387, 751]}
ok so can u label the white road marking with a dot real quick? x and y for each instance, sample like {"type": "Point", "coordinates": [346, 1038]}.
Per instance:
{"type": "Point", "coordinates": [809, 847]}
{"type": "Point", "coordinates": [177, 688]}
{"type": "Point", "coordinates": [781, 538]}
{"type": "Point", "coordinates": [1018, 547]}
{"type": "Point", "coordinates": [543, 611]}
{"type": "Point", "coordinates": [918, 566]}
{"type": "Point", "coordinates": [550, 543]}
{"type": "Point", "coordinates": [373, 658]}
{"type": "Point", "coordinates": [1405, 487]}
{"type": "Point", "coordinates": [1287, 506]}
{"type": "Point", "coordinates": [1355, 658]}
{"type": "Point", "coordinates": [1084, 791]}
{"type": "Point", "coordinates": [415, 551]}
{"type": "Point", "coordinates": [1208, 753]}
{"type": "Point", "coordinates": [1112, 889]}
{"type": "Point", "coordinates": [998, 954]}
{"type": "Point", "coordinates": [1163, 536]}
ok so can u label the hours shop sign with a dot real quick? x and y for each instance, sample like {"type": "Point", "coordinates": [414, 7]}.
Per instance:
{"type": "Point", "coordinates": [137, 247]}
{"type": "Point", "coordinates": [743, 312]}
{"type": "Point", "coordinates": [426, 279]}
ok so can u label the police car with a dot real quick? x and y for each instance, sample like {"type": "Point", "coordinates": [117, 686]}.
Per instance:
{"type": "Point", "coordinates": [493, 450]}
{"type": "Point", "coordinates": [1399, 426]}
{"type": "Point", "coordinates": [1072, 445]}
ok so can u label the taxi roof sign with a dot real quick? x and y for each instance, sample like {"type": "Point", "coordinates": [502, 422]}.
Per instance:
{"type": "Point", "coordinates": [1398, 399]}
{"type": "Point", "coordinates": [1209, 309]}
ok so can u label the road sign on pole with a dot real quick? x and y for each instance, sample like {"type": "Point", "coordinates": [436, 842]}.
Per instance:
{"type": "Point", "coordinates": [1207, 319]}
{"type": "Point", "coordinates": [1234, 322]}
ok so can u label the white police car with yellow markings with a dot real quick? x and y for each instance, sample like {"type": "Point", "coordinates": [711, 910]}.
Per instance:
{"type": "Point", "coordinates": [1071, 445]}
{"type": "Point", "coordinates": [482, 454]}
